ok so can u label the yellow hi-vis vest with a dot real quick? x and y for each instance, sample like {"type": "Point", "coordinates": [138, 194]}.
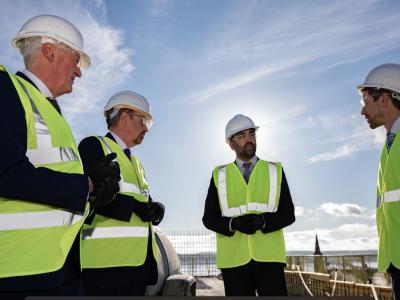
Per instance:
{"type": "Point", "coordinates": [112, 243]}
{"type": "Point", "coordinates": [36, 238]}
{"type": "Point", "coordinates": [237, 198]}
{"type": "Point", "coordinates": [388, 206]}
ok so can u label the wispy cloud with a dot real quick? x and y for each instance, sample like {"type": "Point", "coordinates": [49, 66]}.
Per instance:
{"type": "Point", "coordinates": [111, 65]}
{"type": "Point", "coordinates": [319, 36]}
{"type": "Point", "coordinates": [340, 152]}
{"type": "Point", "coordinates": [245, 78]}
{"type": "Point", "coordinates": [111, 61]}
{"type": "Point", "coordinates": [346, 135]}
{"type": "Point", "coordinates": [345, 237]}
{"type": "Point", "coordinates": [342, 209]}
{"type": "Point", "coordinates": [336, 210]}
{"type": "Point", "coordinates": [299, 210]}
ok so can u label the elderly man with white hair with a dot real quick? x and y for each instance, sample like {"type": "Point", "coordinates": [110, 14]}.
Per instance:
{"type": "Point", "coordinates": [43, 191]}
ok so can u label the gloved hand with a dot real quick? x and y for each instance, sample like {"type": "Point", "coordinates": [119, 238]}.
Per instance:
{"type": "Point", "coordinates": [248, 223]}
{"type": "Point", "coordinates": [158, 213]}
{"type": "Point", "coordinates": [105, 192]}
{"type": "Point", "coordinates": [105, 168]}
{"type": "Point", "coordinates": [149, 211]}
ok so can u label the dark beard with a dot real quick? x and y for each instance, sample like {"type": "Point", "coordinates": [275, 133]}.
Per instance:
{"type": "Point", "coordinates": [247, 152]}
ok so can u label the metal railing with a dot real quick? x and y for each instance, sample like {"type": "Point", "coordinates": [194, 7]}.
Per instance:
{"type": "Point", "coordinates": [196, 251]}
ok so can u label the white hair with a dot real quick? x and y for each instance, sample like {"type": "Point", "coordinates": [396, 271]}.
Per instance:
{"type": "Point", "coordinates": [28, 48]}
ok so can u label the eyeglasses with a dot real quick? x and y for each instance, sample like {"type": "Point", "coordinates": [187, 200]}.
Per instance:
{"type": "Point", "coordinates": [146, 122]}
{"type": "Point", "coordinates": [75, 53]}
{"type": "Point", "coordinates": [365, 99]}
{"type": "Point", "coordinates": [62, 46]}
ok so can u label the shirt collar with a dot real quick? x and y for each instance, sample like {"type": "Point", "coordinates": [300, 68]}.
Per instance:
{"type": "Point", "coordinates": [119, 141]}
{"type": "Point", "coordinates": [396, 126]}
{"type": "Point", "coordinates": [39, 84]}
{"type": "Point", "coordinates": [240, 162]}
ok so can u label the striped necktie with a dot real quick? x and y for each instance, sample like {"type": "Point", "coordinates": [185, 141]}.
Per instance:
{"type": "Point", "coordinates": [389, 139]}
{"type": "Point", "coordinates": [127, 152]}
{"type": "Point", "coordinates": [247, 170]}
{"type": "Point", "coordinates": [53, 101]}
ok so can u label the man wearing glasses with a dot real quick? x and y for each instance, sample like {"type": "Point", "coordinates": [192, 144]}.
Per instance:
{"type": "Point", "coordinates": [247, 205]}
{"type": "Point", "coordinates": [118, 248]}
{"type": "Point", "coordinates": [381, 106]}
{"type": "Point", "coordinates": [43, 191]}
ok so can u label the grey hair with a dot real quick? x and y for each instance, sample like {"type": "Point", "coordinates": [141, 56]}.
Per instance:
{"type": "Point", "coordinates": [28, 48]}
{"type": "Point", "coordinates": [113, 115]}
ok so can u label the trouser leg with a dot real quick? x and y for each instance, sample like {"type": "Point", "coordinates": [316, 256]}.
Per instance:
{"type": "Point", "coordinates": [238, 281]}
{"type": "Point", "coordinates": [269, 278]}
{"type": "Point", "coordinates": [395, 274]}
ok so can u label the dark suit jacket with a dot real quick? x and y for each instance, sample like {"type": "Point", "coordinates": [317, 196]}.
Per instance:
{"type": "Point", "coordinates": [122, 208]}
{"type": "Point", "coordinates": [284, 216]}
{"type": "Point", "coordinates": [20, 180]}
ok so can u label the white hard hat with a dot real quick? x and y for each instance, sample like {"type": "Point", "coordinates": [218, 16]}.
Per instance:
{"type": "Point", "coordinates": [237, 124]}
{"type": "Point", "coordinates": [55, 28]}
{"type": "Point", "coordinates": [386, 76]}
{"type": "Point", "coordinates": [129, 99]}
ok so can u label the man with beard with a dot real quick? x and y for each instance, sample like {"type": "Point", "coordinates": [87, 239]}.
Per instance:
{"type": "Point", "coordinates": [118, 248]}
{"type": "Point", "coordinates": [247, 205]}
{"type": "Point", "coordinates": [381, 106]}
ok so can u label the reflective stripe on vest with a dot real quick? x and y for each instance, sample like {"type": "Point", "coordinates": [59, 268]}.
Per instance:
{"type": "Point", "coordinates": [45, 153]}
{"type": "Point", "coordinates": [109, 242]}
{"type": "Point", "coordinates": [391, 196]}
{"type": "Point", "coordinates": [124, 187]}
{"type": "Point", "coordinates": [36, 238]}
{"type": "Point", "coordinates": [388, 206]}
{"type": "Point", "coordinates": [254, 206]}
{"type": "Point", "coordinates": [39, 219]}
{"type": "Point", "coordinates": [42, 156]}
{"type": "Point", "coordinates": [114, 232]}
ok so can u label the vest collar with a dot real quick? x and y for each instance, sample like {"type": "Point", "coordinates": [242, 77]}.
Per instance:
{"type": "Point", "coordinates": [38, 83]}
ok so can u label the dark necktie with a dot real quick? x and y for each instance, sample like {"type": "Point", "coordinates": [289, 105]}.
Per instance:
{"type": "Point", "coordinates": [389, 139]}
{"type": "Point", "coordinates": [247, 171]}
{"type": "Point", "coordinates": [127, 152]}
{"type": "Point", "coordinates": [54, 102]}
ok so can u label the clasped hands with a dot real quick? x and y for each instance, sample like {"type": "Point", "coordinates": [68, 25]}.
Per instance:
{"type": "Point", "coordinates": [248, 223]}
{"type": "Point", "coordinates": [105, 176]}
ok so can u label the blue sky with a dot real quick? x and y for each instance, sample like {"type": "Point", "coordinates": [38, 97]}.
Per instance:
{"type": "Point", "coordinates": [292, 66]}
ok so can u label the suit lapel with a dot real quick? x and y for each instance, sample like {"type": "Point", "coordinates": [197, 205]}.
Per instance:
{"type": "Point", "coordinates": [110, 136]}
{"type": "Point", "coordinates": [22, 75]}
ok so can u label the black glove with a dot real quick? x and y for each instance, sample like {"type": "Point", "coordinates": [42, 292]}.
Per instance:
{"type": "Point", "coordinates": [158, 214]}
{"type": "Point", "coordinates": [248, 223]}
{"type": "Point", "coordinates": [105, 168]}
{"type": "Point", "coordinates": [105, 192]}
{"type": "Point", "coordinates": [139, 208]}
{"type": "Point", "coordinates": [149, 211]}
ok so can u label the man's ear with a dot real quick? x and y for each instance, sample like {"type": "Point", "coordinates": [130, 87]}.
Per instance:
{"type": "Point", "coordinates": [48, 51]}
{"type": "Point", "coordinates": [232, 144]}
{"type": "Point", "coordinates": [385, 100]}
{"type": "Point", "coordinates": [124, 118]}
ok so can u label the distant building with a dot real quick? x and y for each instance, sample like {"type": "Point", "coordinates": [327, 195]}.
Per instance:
{"type": "Point", "coordinates": [317, 251]}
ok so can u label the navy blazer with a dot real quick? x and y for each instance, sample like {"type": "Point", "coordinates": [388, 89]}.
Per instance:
{"type": "Point", "coordinates": [20, 180]}
{"type": "Point", "coordinates": [121, 208]}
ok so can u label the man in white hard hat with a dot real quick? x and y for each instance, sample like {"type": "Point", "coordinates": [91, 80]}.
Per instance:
{"type": "Point", "coordinates": [381, 106]}
{"type": "Point", "coordinates": [118, 249]}
{"type": "Point", "coordinates": [247, 205]}
{"type": "Point", "coordinates": [43, 191]}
